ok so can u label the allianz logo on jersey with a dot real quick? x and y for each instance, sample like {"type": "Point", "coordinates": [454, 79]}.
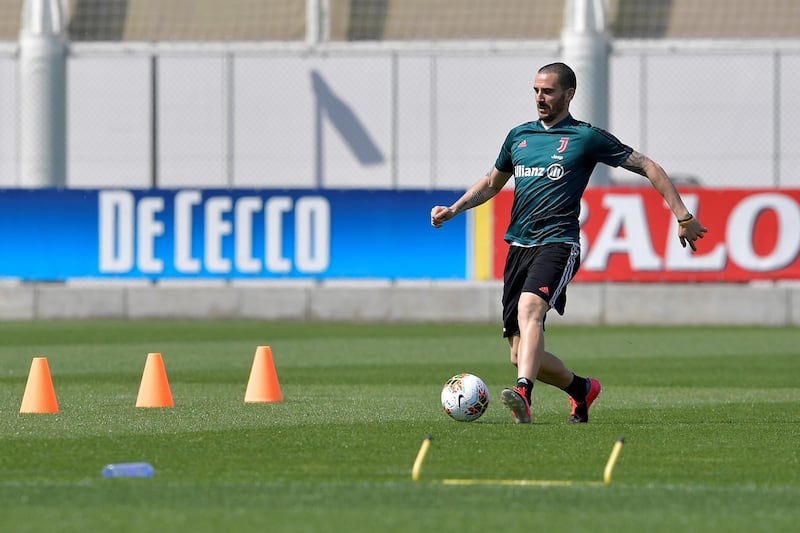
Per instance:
{"type": "Point", "coordinates": [554, 171]}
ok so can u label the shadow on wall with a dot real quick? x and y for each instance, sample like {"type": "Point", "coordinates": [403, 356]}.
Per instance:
{"type": "Point", "coordinates": [84, 25]}
{"type": "Point", "coordinates": [345, 121]}
{"type": "Point", "coordinates": [631, 12]}
{"type": "Point", "coordinates": [367, 19]}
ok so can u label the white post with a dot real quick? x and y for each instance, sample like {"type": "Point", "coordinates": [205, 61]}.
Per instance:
{"type": "Point", "coordinates": [317, 22]}
{"type": "Point", "coordinates": [42, 95]}
{"type": "Point", "coordinates": [585, 48]}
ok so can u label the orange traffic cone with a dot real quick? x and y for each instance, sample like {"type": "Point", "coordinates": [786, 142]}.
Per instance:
{"type": "Point", "coordinates": [263, 384]}
{"type": "Point", "coordinates": [154, 389]}
{"type": "Point", "coordinates": [40, 396]}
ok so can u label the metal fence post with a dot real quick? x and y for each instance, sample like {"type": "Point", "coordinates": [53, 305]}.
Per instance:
{"type": "Point", "coordinates": [42, 95]}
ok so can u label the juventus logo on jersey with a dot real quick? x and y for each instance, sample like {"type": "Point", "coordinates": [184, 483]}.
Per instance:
{"type": "Point", "coordinates": [563, 146]}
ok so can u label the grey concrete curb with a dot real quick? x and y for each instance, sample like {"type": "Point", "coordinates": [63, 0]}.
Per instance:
{"type": "Point", "coordinates": [384, 301]}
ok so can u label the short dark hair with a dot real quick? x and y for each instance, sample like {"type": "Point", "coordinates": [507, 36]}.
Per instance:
{"type": "Point", "coordinates": [566, 76]}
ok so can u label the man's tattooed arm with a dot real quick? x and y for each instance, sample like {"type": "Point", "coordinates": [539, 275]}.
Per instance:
{"type": "Point", "coordinates": [636, 163]}
{"type": "Point", "coordinates": [475, 198]}
{"type": "Point", "coordinates": [480, 193]}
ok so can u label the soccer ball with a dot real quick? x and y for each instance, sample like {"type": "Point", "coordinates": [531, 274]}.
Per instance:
{"type": "Point", "coordinates": [465, 397]}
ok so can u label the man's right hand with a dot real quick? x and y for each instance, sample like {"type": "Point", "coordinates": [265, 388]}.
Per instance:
{"type": "Point", "coordinates": [441, 214]}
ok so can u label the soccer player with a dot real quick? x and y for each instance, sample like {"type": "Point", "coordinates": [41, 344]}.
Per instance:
{"type": "Point", "coordinates": [551, 160]}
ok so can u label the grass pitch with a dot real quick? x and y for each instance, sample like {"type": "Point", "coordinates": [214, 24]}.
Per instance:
{"type": "Point", "coordinates": [710, 418]}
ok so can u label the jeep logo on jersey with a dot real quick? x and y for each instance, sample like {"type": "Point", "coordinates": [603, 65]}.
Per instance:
{"type": "Point", "coordinates": [555, 171]}
{"type": "Point", "coordinates": [563, 146]}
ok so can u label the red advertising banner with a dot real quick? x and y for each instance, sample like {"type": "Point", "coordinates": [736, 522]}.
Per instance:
{"type": "Point", "coordinates": [629, 234]}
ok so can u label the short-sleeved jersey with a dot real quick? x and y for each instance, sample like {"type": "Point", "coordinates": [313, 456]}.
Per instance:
{"type": "Point", "coordinates": [551, 170]}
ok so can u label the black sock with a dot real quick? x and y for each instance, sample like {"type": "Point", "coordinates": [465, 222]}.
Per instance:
{"type": "Point", "coordinates": [578, 388]}
{"type": "Point", "coordinates": [526, 384]}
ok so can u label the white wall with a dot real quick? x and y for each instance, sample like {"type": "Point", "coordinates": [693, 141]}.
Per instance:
{"type": "Point", "coordinates": [414, 118]}
{"type": "Point", "coordinates": [108, 127]}
{"type": "Point", "coordinates": [8, 122]}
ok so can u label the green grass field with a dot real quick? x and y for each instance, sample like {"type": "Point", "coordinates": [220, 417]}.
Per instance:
{"type": "Point", "coordinates": [710, 416]}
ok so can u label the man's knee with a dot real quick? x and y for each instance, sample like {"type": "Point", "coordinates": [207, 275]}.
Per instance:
{"type": "Point", "coordinates": [531, 310]}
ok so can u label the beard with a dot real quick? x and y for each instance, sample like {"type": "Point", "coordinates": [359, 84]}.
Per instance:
{"type": "Point", "coordinates": [549, 112]}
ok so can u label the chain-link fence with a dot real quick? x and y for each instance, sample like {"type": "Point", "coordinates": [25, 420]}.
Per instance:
{"type": "Point", "coordinates": [384, 20]}
{"type": "Point", "coordinates": [402, 93]}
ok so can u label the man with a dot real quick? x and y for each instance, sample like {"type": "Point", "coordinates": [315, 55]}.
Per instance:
{"type": "Point", "coordinates": [551, 160]}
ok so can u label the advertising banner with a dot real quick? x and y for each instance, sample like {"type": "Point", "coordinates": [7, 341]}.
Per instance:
{"type": "Point", "coordinates": [51, 235]}
{"type": "Point", "coordinates": [629, 234]}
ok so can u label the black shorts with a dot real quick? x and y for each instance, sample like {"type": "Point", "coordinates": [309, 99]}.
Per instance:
{"type": "Point", "coordinates": [544, 270]}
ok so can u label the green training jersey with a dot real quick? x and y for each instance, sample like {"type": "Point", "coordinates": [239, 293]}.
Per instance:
{"type": "Point", "coordinates": [551, 170]}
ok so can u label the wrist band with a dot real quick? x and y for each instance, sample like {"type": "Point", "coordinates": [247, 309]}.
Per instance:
{"type": "Point", "coordinates": [684, 221]}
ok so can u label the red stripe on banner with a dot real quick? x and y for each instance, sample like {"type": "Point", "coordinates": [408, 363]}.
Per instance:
{"type": "Point", "coordinates": [629, 234]}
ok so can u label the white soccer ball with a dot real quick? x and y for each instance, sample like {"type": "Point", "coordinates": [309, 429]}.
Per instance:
{"type": "Point", "coordinates": [465, 397]}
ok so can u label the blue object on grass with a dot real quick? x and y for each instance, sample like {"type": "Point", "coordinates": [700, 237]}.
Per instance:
{"type": "Point", "coordinates": [128, 470]}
